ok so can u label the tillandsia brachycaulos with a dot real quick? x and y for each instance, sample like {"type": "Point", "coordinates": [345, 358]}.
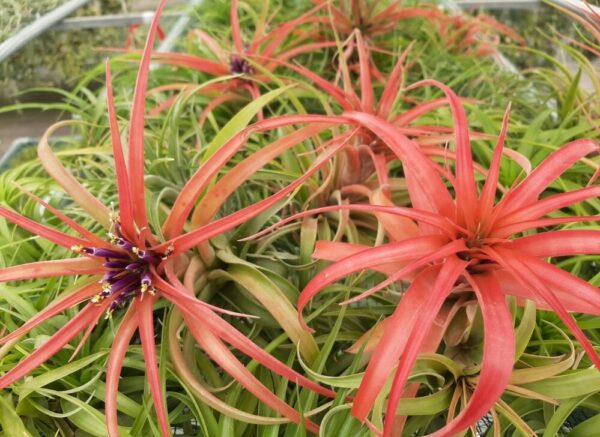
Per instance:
{"type": "Point", "coordinates": [469, 252]}
{"type": "Point", "coordinates": [131, 269]}
{"type": "Point", "coordinates": [232, 64]}
{"type": "Point", "coordinates": [465, 242]}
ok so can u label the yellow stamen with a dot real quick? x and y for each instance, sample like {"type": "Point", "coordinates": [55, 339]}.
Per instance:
{"type": "Point", "coordinates": [97, 298]}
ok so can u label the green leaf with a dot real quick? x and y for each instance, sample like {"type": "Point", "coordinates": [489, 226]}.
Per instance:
{"type": "Point", "coordinates": [525, 330]}
{"type": "Point", "coordinates": [85, 417]}
{"type": "Point", "coordinates": [561, 414]}
{"type": "Point", "coordinates": [241, 120]}
{"type": "Point", "coordinates": [12, 425]}
{"type": "Point", "coordinates": [54, 375]}
{"type": "Point", "coordinates": [570, 97]}
{"type": "Point", "coordinates": [426, 405]}
{"type": "Point", "coordinates": [273, 299]}
{"type": "Point", "coordinates": [570, 385]}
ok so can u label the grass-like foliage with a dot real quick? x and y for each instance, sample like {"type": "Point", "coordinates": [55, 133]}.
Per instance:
{"type": "Point", "coordinates": [335, 218]}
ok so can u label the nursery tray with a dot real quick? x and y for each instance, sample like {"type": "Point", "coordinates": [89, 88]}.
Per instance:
{"type": "Point", "coordinates": [18, 150]}
{"type": "Point", "coordinates": [25, 149]}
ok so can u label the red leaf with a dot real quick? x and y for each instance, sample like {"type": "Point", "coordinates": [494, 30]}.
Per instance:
{"type": "Point", "coordinates": [61, 175]}
{"type": "Point", "coordinates": [212, 201]}
{"type": "Point", "coordinates": [91, 237]}
{"type": "Point", "coordinates": [125, 206]}
{"type": "Point", "coordinates": [466, 191]}
{"type": "Point", "coordinates": [575, 294]}
{"type": "Point", "coordinates": [519, 265]}
{"type": "Point", "coordinates": [392, 86]}
{"type": "Point", "coordinates": [55, 343]}
{"type": "Point", "coordinates": [179, 293]}
{"type": "Point", "coordinates": [515, 228]}
{"type": "Point", "coordinates": [366, 84]}
{"type": "Point", "coordinates": [392, 342]}
{"type": "Point", "coordinates": [118, 350]}
{"type": "Point", "coordinates": [498, 355]}
{"type": "Point", "coordinates": [193, 62]}
{"type": "Point", "coordinates": [434, 220]}
{"type": "Point", "coordinates": [197, 183]}
{"type": "Point", "coordinates": [488, 193]}
{"type": "Point", "coordinates": [336, 251]}
{"type": "Point", "coordinates": [56, 307]}
{"type": "Point", "coordinates": [47, 269]}
{"type": "Point", "coordinates": [542, 207]}
{"type": "Point", "coordinates": [401, 251]}
{"type": "Point", "coordinates": [230, 364]}
{"type": "Point", "coordinates": [426, 189]}
{"type": "Point", "coordinates": [432, 302]}
{"type": "Point", "coordinates": [558, 243]}
{"type": "Point", "coordinates": [232, 336]}
{"type": "Point", "coordinates": [236, 32]}
{"type": "Point", "coordinates": [550, 169]}
{"type": "Point", "coordinates": [334, 91]}
{"type": "Point", "coordinates": [305, 48]}
{"type": "Point", "coordinates": [49, 234]}
{"type": "Point", "coordinates": [443, 252]}
{"type": "Point", "coordinates": [185, 242]}
{"type": "Point", "coordinates": [277, 36]}
{"type": "Point", "coordinates": [136, 127]}
{"type": "Point", "coordinates": [415, 112]}
{"type": "Point", "coordinates": [144, 312]}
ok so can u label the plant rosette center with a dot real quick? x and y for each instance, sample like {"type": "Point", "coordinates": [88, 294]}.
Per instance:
{"type": "Point", "coordinates": [128, 269]}
{"type": "Point", "coordinates": [475, 252]}
{"type": "Point", "coordinates": [239, 65]}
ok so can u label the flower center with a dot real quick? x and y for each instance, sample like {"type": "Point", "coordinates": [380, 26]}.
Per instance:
{"type": "Point", "coordinates": [127, 269]}
{"type": "Point", "coordinates": [238, 65]}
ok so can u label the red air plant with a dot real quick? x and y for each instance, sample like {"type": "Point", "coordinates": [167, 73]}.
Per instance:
{"type": "Point", "coordinates": [369, 18]}
{"type": "Point", "coordinates": [366, 152]}
{"type": "Point", "coordinates": [474, 35]}
{"type": "Point", "coordinates": [131, 270]}
{"type": "Point", "coordinates": [465, 243]}
{"type": "Point", "coordinates": [241, 81]}
{"type": "Point", "coordinates": [471, 35]}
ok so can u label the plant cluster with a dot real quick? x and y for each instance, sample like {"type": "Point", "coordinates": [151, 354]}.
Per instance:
{"type": "Point", "coordinates": [335, 218]}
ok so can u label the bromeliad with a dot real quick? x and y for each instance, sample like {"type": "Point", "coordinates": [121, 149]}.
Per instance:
{"type": "Point", "coordinates": [233, 64]}
{"type": "Point", "coordinates": [131, 269]}
{"type": "Point", "coordinates": [465, 242]}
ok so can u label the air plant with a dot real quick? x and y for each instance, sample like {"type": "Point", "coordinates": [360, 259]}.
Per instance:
{"type": "Point", "coordinates": [373, 19]}
{"type": "Point", "coordinates": [476, 36]}
{"type": "Point", "coordinates": [465, 243]}
{"type": "Point", "coordinates": [233, 61]}
{"type": "Point", "coordinates": [582, 50]}
{"type": "Point", "coordinates": [361, 169]}
{"type": "Point", "coordinates": [131, 269]}
{"type": "Point", "coordinates": [469, 253]}
{"type": "Point", "coordinates": [369, 152]}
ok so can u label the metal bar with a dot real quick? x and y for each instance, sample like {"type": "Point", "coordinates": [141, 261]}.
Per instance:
{"type": "Point", "coordinates": [38, 27]}
{"type": "Point", "coordinates": [103, 21]}
{"type": "Point", "coordinates": [498, 4]}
